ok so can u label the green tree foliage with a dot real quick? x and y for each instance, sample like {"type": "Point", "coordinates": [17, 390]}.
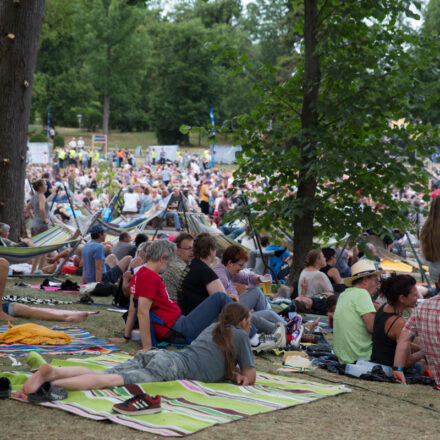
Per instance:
{"type": "Point", "coordinates": [114, 40]}
{"type": "Point", "coordinates": [189, 72]}
{"type": "Point", "coordinates": [323, 138]}
{"type": "Point", "coordinates": [58, 141]}
{"type": "Point", "coordinates": [429, 109]}
{"type": "Point", "coordinates": [153, 70]}
{"type": "Point", "coordinates": [38, 137]}
{"type": "Point", "coordinates": [92, 53]}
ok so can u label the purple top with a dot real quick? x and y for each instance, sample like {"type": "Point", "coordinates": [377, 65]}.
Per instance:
{"type": "Point", "coordinates": [249, 279]}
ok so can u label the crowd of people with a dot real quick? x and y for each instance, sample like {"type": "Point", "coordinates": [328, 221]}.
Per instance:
{"type": "Point", "coordinates": [183, 289]}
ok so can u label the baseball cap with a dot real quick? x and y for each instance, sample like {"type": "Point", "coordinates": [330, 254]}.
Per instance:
{"type": "Point", "coordinates": [97, 229]}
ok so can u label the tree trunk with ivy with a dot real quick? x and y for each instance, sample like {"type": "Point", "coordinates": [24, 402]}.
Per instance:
{"type": "Point", "coordinates": [20, 27]}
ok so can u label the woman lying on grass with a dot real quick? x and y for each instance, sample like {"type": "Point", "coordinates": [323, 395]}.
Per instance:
{"type": "Point", "coordinates": [212, 357]}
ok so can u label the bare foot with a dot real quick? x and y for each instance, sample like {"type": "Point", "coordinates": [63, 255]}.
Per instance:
{"type": "Point", "coordinates": [44, 374]}
{"type": "Point", "coordinates": [117, 340]}
{"type": "Point", "coordinates": [19, 394]}
{"type": "Point", "coordinates": [76, 317]}
{"type": "Point", "coordinates": [310, 326]}
{"type": "Point", "coordinates": [5, 317]}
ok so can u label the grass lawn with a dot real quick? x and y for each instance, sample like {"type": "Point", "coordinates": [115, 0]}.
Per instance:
{"type": "Point", "coordinates": [372, 410]}
{"type": "Point", "coordinates": [131, 140]}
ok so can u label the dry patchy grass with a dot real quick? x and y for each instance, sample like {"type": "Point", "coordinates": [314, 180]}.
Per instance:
{"type": "Point", "coordinates": [382, 411]}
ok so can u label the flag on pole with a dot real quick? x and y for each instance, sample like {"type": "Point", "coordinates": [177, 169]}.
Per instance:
{"type": "Point", "coordinates": [211, 114]}
{"type": "Point", "coordinates": [48, 124]}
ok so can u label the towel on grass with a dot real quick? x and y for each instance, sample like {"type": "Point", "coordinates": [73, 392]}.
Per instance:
{"type": "Point", "coordinates": [34, 334]}
{"type": "Point", "coordinates": [187, 406]}
{"type": "Point", "coordinates": [82, 342]}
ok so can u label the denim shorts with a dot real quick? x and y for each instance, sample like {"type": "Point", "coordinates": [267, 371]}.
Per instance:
{"type": "Point", "coordinates": [152, 366]}
{"type": "Point", "coordinates": [8, 308]}
{"type": "Point", "coordinates": [112, 275]}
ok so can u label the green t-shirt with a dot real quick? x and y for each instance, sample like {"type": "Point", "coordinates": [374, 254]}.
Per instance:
{"type": "Point", "coordinates": [352, 340]}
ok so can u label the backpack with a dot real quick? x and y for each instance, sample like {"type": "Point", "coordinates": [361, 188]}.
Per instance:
{"type": "Point", "coordinates": [119, 299]}
{"type": "Point", "coordinates": [104, 289]}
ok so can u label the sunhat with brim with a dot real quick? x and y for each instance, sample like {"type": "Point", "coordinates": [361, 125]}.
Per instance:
{"type": "Point", "coordinates": [361, 269]}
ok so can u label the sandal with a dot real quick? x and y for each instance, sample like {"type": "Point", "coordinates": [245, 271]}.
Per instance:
{"type": "Point", "coordinates": [47, 393]}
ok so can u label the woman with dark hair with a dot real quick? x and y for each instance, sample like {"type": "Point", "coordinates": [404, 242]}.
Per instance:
{"type": "Point", "coordinates": [198, 280]}
{"type": "Point", "coordinates": [401, 294]}
{"type": "Point", "coordinates": [430, 240]}
{"type": "Point", "coordinates": [212, 357]}
{"type": "Point", "coordinates": [331, 271]}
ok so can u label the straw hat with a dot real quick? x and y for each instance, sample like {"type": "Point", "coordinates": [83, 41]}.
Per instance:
{"type": "Point", "coordinates": [363, 268]}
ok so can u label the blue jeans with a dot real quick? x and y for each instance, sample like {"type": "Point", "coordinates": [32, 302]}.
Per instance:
{"type": "Point", "coordinates": [254, 299]}
{"type": "Point", "coordinates": [231, 232]}
{"type": "Point", "coordinates": [203, 316]}
{"type": "Point", "coordinates": [175, 217]}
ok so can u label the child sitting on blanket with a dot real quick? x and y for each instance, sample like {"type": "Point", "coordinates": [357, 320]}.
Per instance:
{"type": "Point", "coordinates": [212, 357]}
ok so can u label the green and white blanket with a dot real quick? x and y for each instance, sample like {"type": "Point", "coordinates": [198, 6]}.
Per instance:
{"type": "Point", "coordinates": [187, 406]}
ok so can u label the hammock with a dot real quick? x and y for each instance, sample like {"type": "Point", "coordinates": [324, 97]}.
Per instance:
{"type": "Point", "coordinates": [119, 224]}
{"type": "Point", "coordinates": [197, 223]}
{"type": "Point", "coordinates": [48, 241]}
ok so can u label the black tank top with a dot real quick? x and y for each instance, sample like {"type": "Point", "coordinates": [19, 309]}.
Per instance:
{"type": "Point", "coordinates": [325, 270]}
{"type": "Point", "coordinates": [383, 347]}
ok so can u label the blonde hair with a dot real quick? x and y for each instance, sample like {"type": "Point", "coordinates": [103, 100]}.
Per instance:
{"type": "Point", "coordinates": [430, 233]}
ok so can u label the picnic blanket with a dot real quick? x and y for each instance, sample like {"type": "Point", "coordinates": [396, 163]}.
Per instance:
{"type": "Point", "coordinates": [82, 343]}
{"type": "Point", "coordinates": [52, 289]}
{"type": "Point", "coordinates": [31, 300]}
{"type": "Point", "coordinates": [188, 406]}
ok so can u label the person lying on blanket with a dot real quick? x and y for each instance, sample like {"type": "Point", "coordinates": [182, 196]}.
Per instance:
{"type": "Point", "coordinates": [9, 311]}
{"type": "Point", "coordinates": [222, 351]}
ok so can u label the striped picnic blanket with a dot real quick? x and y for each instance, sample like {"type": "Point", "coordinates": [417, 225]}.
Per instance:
{"type": "Point", "coordinates": [189, 406]}
{"type": "Point", "coordinates": [82, 343]}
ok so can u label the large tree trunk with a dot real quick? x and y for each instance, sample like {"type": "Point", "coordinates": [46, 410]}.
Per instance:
{"type": "Point", "coordinates": [20, 27]}
{"type": "Point", "coordinates": [303, 223]}
{"type": "Point", "coordinates": [106, 117]}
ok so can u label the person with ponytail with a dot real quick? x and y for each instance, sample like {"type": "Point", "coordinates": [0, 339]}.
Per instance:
{"type": "Point", "coordinates": [221, 352]}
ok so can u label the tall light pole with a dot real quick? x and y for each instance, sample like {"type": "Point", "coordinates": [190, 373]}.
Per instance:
{"type": "Point", "coordinates": [79, 122]}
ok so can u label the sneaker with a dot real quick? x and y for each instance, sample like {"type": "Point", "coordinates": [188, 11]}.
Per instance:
{"type": "Point", "coordinates": [295, 328]}
{"type": "Point", "coordinates": [280, 334]}
{"type": "Point", "coordinates": [267, 342]}
{"type": "Point", "coordinates": [275, 340]}
{"type": "Point", "coordinates": [139, 404]}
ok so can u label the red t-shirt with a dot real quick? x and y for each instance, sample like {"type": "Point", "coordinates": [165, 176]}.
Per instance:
{"type": "Point", "coordinates": [148, 284]}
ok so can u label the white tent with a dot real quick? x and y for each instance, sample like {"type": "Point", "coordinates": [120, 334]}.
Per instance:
{"type": "Point", "coordinates": [226, 153]}
{"type": "Point", "coordinates": [170, 151]}
{"type": "Point", "coordinates": [36, 152]}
